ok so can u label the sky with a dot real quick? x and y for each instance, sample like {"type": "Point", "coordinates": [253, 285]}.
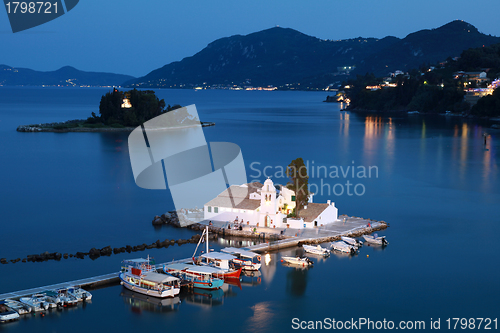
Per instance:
{"type": "Point", "coordinates": [136, 37]}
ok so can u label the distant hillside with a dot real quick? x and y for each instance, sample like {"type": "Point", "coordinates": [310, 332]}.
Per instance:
{"type": "Point", "coordinates": [282, 56]}
{"type": "Point", "coordinates": [426, 46]}
{"type": "Point", "coordinates": [65, 76]}
{"type": "Point", "coordinates": [275, 56]}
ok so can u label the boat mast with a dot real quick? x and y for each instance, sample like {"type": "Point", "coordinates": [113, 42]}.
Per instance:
{"type": "Point", "coordinates": [207, 238]}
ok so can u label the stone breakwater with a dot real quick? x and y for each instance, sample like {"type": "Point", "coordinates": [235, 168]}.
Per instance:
{"type": "Point", "coordinates": [94, 253]}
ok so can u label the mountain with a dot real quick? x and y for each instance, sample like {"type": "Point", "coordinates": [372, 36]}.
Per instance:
{"type": "Point", "coordinates": [275, 56]}
{"type": "Point", "coordinates": [65, 76]}
{"type": "Point", "coordinates": [426, 46]}
{"type": "Point", "coordinates": [283, 57]}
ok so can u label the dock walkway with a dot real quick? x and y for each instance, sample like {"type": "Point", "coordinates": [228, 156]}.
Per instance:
{"type": "Point", "coordinates": [90, 282]}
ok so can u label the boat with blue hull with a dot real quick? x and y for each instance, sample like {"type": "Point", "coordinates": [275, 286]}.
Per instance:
{"type": "Point", "coordinates": [202, 277]}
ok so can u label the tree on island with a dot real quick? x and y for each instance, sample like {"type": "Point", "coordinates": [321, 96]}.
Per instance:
{"type": "Point", "coordinates": [142, 106]}
{"type": "Point", "coordinates": [299, 183]}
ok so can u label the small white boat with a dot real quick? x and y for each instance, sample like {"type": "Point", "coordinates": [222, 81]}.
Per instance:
{"type": "Point", "coordinates": [65, 298]}
{"type": "Point", "coordinates": [38, 302]}
{"type": "Point", "coordinates": [343, 247]}
{"type": "Point", "coordinates": [19, 307]}
{"type": "Point", "coordinates": [79, 293]}
{"type": "Point", "coordinates": [375, 239]}
{"type": "Point", "coordinates": [316, 250]}
{"type": "Point", "coordinates": [7, 314]}
{"type": "Point", "coordinates": [305, 261]}
{"type": "Point", "coordinates": [352, 241]}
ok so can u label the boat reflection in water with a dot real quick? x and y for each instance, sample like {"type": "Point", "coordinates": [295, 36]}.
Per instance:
{"type": "Point", "coordinates": [139, 302]}
{"type": "Point", "coordinates": [207, 298]}
{"type": "Point", "coordinates": [251, 278]}
{"type": "Point", "coordinates": [343, 255]}
{"type": "Point", "coordinates": [204, 297]}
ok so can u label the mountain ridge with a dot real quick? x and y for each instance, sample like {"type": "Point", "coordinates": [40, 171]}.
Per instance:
{"type": "Point", "coordinates": [284, 56]}
{"type": "Point", "coordinates": [67, 76]}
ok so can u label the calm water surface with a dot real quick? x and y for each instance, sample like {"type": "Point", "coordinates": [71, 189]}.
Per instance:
{"type": "Point", "coordinates": [437, 186]}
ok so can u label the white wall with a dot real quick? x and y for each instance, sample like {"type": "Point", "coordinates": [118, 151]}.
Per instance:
{"type": "Point", "coordinates": [227, 214]}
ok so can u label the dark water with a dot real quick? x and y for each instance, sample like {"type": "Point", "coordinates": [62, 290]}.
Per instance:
{"type": "Point", "coordinates": [437, 186]}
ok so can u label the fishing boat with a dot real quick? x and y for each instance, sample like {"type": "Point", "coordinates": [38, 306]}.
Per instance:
{"type": "Point", "coordinates": [304, 261]}
{"type": "Point", "coordinates": [140, 275]}
{"type": "Point", "coordinates": [375, 239]}
{"type": "Point", "coordinates": [19, 307]}
{"type": "Point", "coordinates": [79, 293]}
{"type": "Point", "coordinates": [343, 247]}
{"type": "Point", "coordinates": [352, 241]}
{"type": "Point", "coordinates": [38, 302]}
{"type": "Point", "coordinates": [319, 250]}
{"type": "Point", "coordinates": [6, 313]}
{"type": "Point", "coordinates": [203, 277]}
{"type": "Point", "coordinates": [222, 261]}
{"type": "Point", "coordinates": [246, 260]}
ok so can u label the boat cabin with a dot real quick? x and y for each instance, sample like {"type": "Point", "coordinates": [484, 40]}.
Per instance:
{"type": "Point", "coordinates": [217, 259]}
{"type": "Point", "coordinates": [243, 254]}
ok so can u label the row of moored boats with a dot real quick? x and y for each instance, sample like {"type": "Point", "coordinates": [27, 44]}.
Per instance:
{"type": "Point", "coordinates": [11, 309]}
{"type": "Point", "coordinates": [210, 270]}
{"type": "Point", "coordinates": [346, 245]}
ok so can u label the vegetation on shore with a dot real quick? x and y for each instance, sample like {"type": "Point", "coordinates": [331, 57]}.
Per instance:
{"type": "Point", "coordinates": [431, 89]}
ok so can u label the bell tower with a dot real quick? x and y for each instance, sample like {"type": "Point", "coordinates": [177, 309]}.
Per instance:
{"type": "Point", "coordinates": [267, 204]}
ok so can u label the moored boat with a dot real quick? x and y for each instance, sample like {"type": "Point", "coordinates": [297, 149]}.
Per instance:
{"type": "Point", "coordinates": [140, 275]}
{"type": "Point", "coordinates": [343, 247]}
{"type": "Point", "coordinates": [203, 277]}
{"type": "Point", "coordinates": [17, 306]}
{"type": "Point", "coordinates": [352, 241]}
{"type": "Point", "coordinates": [246, 260]}
{"type": "Point", "coordinates": [38, 302]}
{"type": "Point", "coordinates": [6, 313]}
{"type": "Point", "coordinates": [375, 239]}
{"type": "Point", "coordinates": [319, 250]}
{"type": "Point", "coordinates": [301, 261]}
{"type": "Point", "coordinates": [222, 261]}
{"type": "Point", "coordinates": [79, 293]}
{"type": "Point", "coordinates": [66, 298]}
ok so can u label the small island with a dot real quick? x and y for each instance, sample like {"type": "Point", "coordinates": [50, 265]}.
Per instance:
{"type": "Point", "coordinates": [118, 111]}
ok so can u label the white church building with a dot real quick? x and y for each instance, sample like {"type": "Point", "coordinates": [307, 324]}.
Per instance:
{"type": "Point", "coordinates": [267, 205]}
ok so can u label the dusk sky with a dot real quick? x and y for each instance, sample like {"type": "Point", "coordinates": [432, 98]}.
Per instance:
{"type": "Point", "coordinates": [135, 37]}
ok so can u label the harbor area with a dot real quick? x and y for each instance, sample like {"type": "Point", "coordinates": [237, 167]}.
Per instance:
{"type": "Point", "coordinates": [274, 239]}
{"type": "Point", "coordinates": [345, 226]}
